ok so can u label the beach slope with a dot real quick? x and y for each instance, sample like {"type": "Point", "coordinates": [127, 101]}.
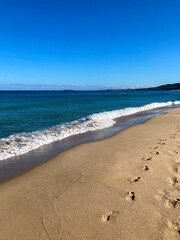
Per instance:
{"type": "Point", "coordinates": [123, 187]}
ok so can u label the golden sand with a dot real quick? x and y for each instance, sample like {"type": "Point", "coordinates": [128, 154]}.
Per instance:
{"type": "Point", "coordinates": [124, 187]}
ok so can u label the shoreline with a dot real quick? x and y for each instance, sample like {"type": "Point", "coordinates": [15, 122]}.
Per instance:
{"type": "Point", "coordinates": [102, 190]}
{"type": "Point", "coordinates": [16, 166]}
{"type": "Point", "coordinates": [21, 143]}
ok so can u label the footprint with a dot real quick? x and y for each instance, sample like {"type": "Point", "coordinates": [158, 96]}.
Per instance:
{"type": "Point", "coordinates": [173, 135]}
{"type": "Point", "coordinates": [163, 139]}
{"type": "Point", "coordinates": [175, 226]}
{"type": "Point", "coordinates": [154, 152]}
{"type": "Point", "coordinates": [146, 168]}
{"type": "Point", "coordinates": [155, 147]}
{"type": "Point", "coordinates": [147, 158]}
{"type": "Point", "coordinates": [136, 179]}
{"type": "Point", "coordinates": [130, 196]}
{"type": "Point", "coordinates": [176, 169]}
{"type": "Point", "coordinates": [172, 203]}
{"type": "Point", "coordinates": [176, 152]}
{"type": "Point", "coordinates": [173, 181]}
{"type": "Point", "coordinates": [109, 216]}
{"type": "Point", "coordinates": [169, 201]}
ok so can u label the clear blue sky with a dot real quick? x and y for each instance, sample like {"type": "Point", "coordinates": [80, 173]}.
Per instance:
{"type": "Point", "coordinates": [89, 44]}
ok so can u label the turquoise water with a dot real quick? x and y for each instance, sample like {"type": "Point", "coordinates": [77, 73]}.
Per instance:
{"type": "Point", "coordinates": [28, 111]}
{"type": "Point", "coordinates": [30, 119]}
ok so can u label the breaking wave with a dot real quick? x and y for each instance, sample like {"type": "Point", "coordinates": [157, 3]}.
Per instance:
{"type": "Point", "coordinates": [18, 144]}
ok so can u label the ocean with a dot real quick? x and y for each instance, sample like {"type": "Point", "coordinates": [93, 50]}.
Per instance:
{"type": "Point", "coordinates": [31, 119]}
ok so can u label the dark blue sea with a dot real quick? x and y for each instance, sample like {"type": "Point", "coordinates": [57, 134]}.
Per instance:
{"type": "Point", "coordinates": [30, 119]}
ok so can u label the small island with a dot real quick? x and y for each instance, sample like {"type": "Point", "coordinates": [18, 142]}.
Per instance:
{"type": "Point", "coordinates": [69, 90]}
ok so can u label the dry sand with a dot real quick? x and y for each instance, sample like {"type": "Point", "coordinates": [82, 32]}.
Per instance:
{"type": "Point", "coordinates": [124, 187]}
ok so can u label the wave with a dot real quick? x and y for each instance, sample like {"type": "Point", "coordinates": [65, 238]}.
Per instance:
{"type": "Point", "coordinates": [18, 144]}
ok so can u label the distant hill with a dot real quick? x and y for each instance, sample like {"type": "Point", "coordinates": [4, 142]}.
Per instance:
{"type": "Point", "coordinates": [175, 86]}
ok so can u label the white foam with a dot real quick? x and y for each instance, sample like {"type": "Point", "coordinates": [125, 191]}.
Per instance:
{"type": "Point", "coordinates": [22, 143]}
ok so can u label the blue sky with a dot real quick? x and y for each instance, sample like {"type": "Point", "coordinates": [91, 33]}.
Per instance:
{"type": "Point", "coordinates": [89, 44]}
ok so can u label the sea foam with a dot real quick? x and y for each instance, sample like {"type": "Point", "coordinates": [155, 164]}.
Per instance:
{"type": "Point", "coordinates": [18, 144]}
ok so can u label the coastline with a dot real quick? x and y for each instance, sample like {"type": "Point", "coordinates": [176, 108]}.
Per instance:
{"type": "Point", "coordinates": [21, 143]}
{"type": "Point", "coordinates": [16, 166]}
{"type": "Point", "coordinates": [82, 192]}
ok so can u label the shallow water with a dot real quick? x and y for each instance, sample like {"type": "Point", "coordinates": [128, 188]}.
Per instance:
{"type": "Point", "coordinates": [31, 119]}
{"type": "Point", "coordinates": [15, 166]}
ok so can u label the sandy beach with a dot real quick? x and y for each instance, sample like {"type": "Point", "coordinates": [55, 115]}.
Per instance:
{"type": "Point", "coordinates": [123, 187]}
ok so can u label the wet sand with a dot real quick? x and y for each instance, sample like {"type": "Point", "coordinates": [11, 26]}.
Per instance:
{"type": "Point", "coordinates": [21, 164]}
{"type": "Point", "coordinates": [124, 187]}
